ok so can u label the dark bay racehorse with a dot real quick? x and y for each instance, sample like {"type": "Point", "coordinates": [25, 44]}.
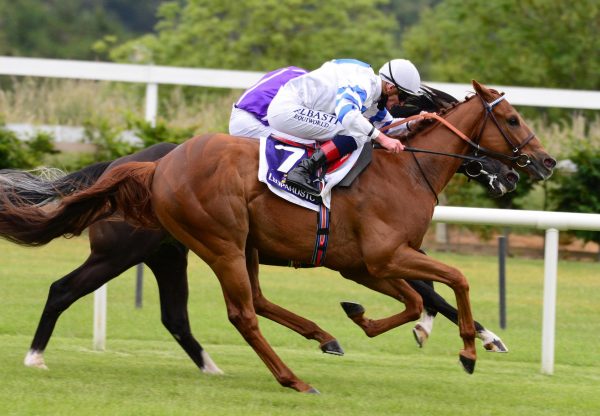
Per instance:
{"type": "Point", "coordinates": [205, 193]}
{"type": "Point", "coordinates": [115, 247]}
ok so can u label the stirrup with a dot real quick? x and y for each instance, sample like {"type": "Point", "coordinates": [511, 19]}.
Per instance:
{"type": "Point", "coordinates": [304, 182]}
{"type": "Point", "coordinates": [304, 187]}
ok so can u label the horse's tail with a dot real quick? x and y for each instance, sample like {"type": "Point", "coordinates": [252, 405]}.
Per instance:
{"type": "Point", "coordinates": [44, 185]}
{"type": "Point", "coordinates": [125, 188]}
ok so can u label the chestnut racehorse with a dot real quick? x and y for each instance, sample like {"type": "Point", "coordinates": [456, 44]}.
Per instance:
{"type": "Point", "coordinates": [116, 246]}
{"type": "Point", "coordinates": [206, 194]}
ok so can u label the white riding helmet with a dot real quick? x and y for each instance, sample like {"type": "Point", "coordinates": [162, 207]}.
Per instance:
{"type": "Point", "coordinates": [403, 74]}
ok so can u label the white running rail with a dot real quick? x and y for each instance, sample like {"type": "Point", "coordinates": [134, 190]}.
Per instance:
{"type": "Point", "coordinates": [552, 222]}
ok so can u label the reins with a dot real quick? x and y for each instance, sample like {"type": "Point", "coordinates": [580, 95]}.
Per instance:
{"type": "Point", "coordinates": [433, 152]}
{"type": "Point", "coordinates": [520, 159]}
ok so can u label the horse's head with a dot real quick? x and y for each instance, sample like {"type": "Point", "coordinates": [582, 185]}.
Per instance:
{"type": "Point", "coordinates": [507, 134]}
{"type": "Point", "coordinates": [498, 178]}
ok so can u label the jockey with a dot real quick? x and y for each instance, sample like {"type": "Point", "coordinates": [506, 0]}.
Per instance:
{"type": "Point", "coordinates": [343, 103]}
{"type": "Point", "coordinates": [249, 114]}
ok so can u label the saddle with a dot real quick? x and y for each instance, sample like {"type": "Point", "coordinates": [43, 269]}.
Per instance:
{"type": "Point", "coordinates": [278, 156]}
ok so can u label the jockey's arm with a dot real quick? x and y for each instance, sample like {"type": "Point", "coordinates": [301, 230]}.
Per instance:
{"type": "Point", "coordinates": [348, 111]}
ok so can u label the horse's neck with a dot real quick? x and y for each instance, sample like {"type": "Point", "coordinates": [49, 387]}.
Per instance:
{"type": "Point", "coordinates": [439, 138]}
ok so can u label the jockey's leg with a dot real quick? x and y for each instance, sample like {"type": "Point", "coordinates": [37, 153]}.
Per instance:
{"type": "Point", "coordinates": [304, 175]}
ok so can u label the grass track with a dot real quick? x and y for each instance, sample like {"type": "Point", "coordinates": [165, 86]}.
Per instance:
{"type": "Point", "coordinates": [145, 372]}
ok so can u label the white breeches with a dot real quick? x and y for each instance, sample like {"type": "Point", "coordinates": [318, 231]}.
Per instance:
{"type": "Point", "coordinates": [245, 124]}
{"type": "Point", "coordinates": [288, 117]}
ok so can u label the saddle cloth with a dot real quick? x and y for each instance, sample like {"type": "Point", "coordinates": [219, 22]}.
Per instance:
{"type": "Point", "coordinates": [277, 158]}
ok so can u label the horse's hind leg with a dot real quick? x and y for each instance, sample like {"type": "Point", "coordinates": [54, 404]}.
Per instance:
{"type": "Point", "coordinates": [115, 247]}
{"type": "Point", "coordinates": [263, 307]}
{"type": "Point", "coordinates": [240, 311]}
{"type": "Point", "coordinates": [399, 290]}
{"type": "Point", "coordinates": [97, 270]}
{"type": "Point", "coordinates": [228, 262]}
{"type": "Point", "coordinates": [169, 266]}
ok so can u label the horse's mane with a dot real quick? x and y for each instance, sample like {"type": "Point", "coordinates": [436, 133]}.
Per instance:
{"type": "Point", "coordinates": [427, 123]}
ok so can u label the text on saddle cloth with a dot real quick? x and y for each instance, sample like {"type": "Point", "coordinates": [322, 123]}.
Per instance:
{"type": "Point", "coordinates": [278, 157]}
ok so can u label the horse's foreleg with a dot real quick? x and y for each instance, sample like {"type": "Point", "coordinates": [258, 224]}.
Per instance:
{"type": "Point", "coordinates": [263, 307]}
{"type": "Point", "coordinates": [412, 264]}
{"type": "Point", "coordinates": [397, 289]}
{"type": "Point", "coordinates": [433, 301]}
{"type": "Point", "coordinates": [169, 266]}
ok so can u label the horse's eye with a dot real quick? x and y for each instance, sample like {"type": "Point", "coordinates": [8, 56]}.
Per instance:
{"type": "Point", "coordinates": [513, 121]}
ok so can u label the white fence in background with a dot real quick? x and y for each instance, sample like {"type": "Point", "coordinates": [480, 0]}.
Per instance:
{"type": "Point", "coordinates": [153, 75]}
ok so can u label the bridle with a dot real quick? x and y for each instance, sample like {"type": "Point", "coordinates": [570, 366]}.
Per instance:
{"type": "Point", "coordinates": [519, 158]}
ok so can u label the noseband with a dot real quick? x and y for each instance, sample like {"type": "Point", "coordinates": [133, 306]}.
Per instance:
{"type": "Point", "coordinates": [520, 159]}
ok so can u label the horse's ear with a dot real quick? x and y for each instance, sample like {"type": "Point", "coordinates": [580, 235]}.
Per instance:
{"type": "Point", "coordinates": [482, 91]}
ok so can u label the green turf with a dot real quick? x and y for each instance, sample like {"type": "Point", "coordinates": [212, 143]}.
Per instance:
{"type": "Point", "coordinates": [145, 372]}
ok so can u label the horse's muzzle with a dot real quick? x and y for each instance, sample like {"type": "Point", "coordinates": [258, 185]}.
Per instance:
{"type": "Point", "coordinates": [541, 169]}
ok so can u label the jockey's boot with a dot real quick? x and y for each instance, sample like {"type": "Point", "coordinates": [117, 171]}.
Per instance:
{"type": "Point", "coordinates": [303, 175]}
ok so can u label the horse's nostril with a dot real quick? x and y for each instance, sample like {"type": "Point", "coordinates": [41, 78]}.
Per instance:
{"type": "Point", "coordinates": [549, 163]}
{"type": "Point", "coordinates": [512, 177]}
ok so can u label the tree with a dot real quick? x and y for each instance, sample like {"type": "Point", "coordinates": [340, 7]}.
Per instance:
{"type": "Point", "coordinates": [137, 16]}
{"type": "Point", "coordinates": [67, 28]}
{"type": "Point", "coordinates": [264, 34]}
{"type": "Point", "coordinates": [549, 43]}
{"type": "Point", "coordinates": [407, 13]}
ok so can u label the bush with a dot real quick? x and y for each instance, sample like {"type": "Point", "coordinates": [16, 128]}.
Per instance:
{"type": "Point", "coordinates": [160, 133]}
{"type": "Point", "coordinates": [19, 154]}
{"type": "Point", "coordinates": [578, 191]}
{"type": "Point", "coordinates": [108, 140]}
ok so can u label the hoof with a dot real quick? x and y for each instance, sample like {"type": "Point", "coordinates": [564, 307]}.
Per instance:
{"type": "Point", "coordinates": [35, 359]}
{"type": "Point", "coordinates": [420, 334]}
{"type": "Point", "coordinates": [491, 341]}
{"type": "Point", "coordinates": [352, 309]}
{"type": "Point", "coordinates": [209, 366]}
{"type": "Point", "coordinates": [312, 390]}
{"type": "Point", "coordinates": [214, 371]}
{"type": "Point", "coordinates": [332, 347]}
{"type": "Point", "coordinates": [495, 346]}
{"type": "Point", "coordinates": [467, 363]}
